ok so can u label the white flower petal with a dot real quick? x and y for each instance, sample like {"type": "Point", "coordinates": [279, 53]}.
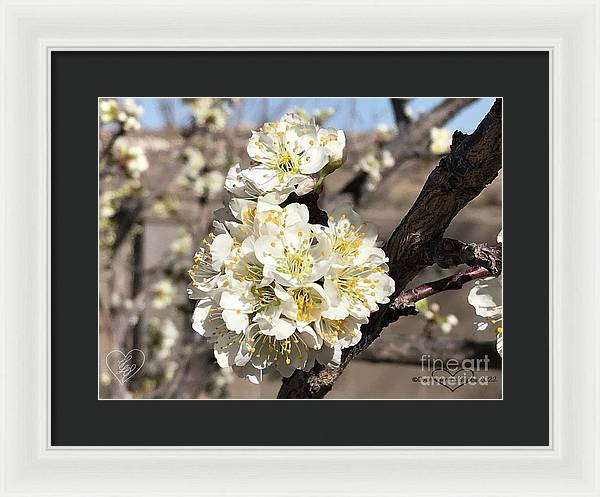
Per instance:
{"type": "Point", "coordinates": [314, 160]}
{"type": "Point", "coordinates": [200, 315]}
{"type": "Point", "coordinates": [279, 328]}
{"type": "Point", "coordinates": [499, 344]}
{"type": "Point", "coordinates": [268, 249]}
{"type": "Point", "coordinates": [486, 297]}
{"type": "Point", "coordinates": [249, 372]}
{"type": "Point", "coordinates": [263, 177]}
{"type": "Point", "coordinates": [220, 249]}
{"type": "Point", "coordinates": [235, 320]}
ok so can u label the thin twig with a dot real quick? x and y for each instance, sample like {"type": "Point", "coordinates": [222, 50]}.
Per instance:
{"type": "Point", "coordinates": [454, 282]}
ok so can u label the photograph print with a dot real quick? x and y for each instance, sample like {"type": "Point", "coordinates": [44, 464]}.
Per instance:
{"type": "Point", "coordinates": [300, 248]}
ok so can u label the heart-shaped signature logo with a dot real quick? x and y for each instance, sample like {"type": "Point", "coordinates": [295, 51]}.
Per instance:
{"type": "Point", "coordinates": [124, 366]}
{"type": "Point", "coordinates": [452, 381]}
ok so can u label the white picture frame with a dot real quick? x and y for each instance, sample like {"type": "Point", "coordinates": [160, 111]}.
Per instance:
{"type": "Point", "coordinates": [567, 29]}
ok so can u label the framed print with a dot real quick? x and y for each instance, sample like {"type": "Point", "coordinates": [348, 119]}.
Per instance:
{"type": "Point", "coordinates": [228, 251]}
{"type": "Point", "coordinates": [220, 344]}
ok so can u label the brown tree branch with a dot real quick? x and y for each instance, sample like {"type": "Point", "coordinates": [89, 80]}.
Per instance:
{"type": "Point", "coordinates": [474, 161]}
{"type": "Point", "coordinates": [449, 253]}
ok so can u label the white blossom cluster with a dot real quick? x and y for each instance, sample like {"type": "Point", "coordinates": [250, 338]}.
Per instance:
{"type": "Point", "coordinates": [109, 204]}
{"type": "Point", "coordinates": [376, 161]}
{"type": "Point", "coordinates": [286, 156]}
{"type": "Point", "coordinates": [373, 165]}
{"type": "Point", "coordinates": [384, 133]}
{"type": "Point", "coordinates": [440, 141]}
{"type": "Point", "coordinates": [432, 313]}
{"type": "Point", "coordinates": [486, 298]}
{"type": "Point", "coordinates": [275, 292]}
{"type": "Point", "coordinates": [126, 114]}
{"type": "Point", "coordinates": [205, 183]}
{"type": "Point", "coordinates": [182, 245]}
{"type": "Point", "coordinates": [318, 116]}
{"type": "Point", "coordinates": [163, 335]}
{"type": "Point", "coordinates": [162, 293]}
{"type": "Point", "coordinates": [132, 159]}
{"type": "Point", "coordinates": [208, 112]}
{"type": "Point", "coordinates": [166, 206]}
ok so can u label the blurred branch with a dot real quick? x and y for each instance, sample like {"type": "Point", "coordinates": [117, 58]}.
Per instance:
{"type": "Point", "coordinates": [399, 349]}
{"type": "Point", "coordinates": [106, 152]}
{"type": "Point", "coordinates": [107, 148]}
{"type": "Point", "coordinates": [197, 367]}
{"type": "Point", "coordinates": [167, 110]}
{"type": "Point", "coordinates": [193, 376]}
{"type": "Point", "coordinates": [129, 211]}
{"type": "Point", "coordinates": [199, 229]}
{"type": "Point", "coordinates": [137, 279]}
{"type": "Point", "coordinates": [473, 163]}
{"type": "Point", "coordinates": [437, 117]}
{"type": "Point", "coordinates": [400, 116]}
{"type": "Point", "coordinates": [132, 208]}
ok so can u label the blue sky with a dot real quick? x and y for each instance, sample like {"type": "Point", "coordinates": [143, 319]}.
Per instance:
{"type": "Point", "coordinates": [352, 114]}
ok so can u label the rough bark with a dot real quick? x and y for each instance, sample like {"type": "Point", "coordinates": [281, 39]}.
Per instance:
{"type": "Point", "coordinates": [473, 163]}
{"type": "Point", "coordinates": [449, 253]}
